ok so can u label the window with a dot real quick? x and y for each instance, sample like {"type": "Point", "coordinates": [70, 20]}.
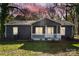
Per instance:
{"type": "Point", "coordinates": [39, 30]}
{"type": "Point", "coordinates": [62, 30]}
{"type": "Point", "coordinates": [15, 30]}
{"type": "Point", "coordinates": [50, 30]}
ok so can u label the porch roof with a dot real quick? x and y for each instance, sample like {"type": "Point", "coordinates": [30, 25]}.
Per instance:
{"type": "Point", "coordinates": [61, 22]}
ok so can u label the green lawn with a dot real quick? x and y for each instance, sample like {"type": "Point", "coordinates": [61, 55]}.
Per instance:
{"type": "Point", "coordinates": [76, 37]}
{"type": "Point", "coordinates": [24, 48]}
{"type": "Point", "coordinates": [76, 45]}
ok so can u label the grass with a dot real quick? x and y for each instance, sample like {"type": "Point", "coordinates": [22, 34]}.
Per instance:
{"type": "Point", "coordinates": [24, 48]}
{"type": "Point", "coordinates": [76, 38]}
{"type": "Point", "coordinates": [76, 45]}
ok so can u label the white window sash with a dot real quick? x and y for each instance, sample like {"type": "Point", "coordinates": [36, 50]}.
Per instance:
{"type": "Point", "coordinates": [50, 30]}
{"type": "Point", "coordinates": [39, 30]}
{"type": "Point", "coordinates": [62, 30]}
{"type": "Point", "coordinates": [15, 30]}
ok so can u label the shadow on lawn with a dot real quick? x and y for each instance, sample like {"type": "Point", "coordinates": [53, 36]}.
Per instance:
{"type": "Point", "coordinates": [48, 47]}
{"type": "Point", "coordinates": [5, 42]}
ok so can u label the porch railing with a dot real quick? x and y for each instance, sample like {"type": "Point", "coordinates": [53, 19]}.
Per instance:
{"type": "Point", "coordinates": [46, 36]}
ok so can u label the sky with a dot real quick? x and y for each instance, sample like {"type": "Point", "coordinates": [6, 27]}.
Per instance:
{"type": "Point", "coordinates": [42, 4]}
{"type": "Point", "coordinates": [58, 10]}
{"type": "Point", "coordinates": [35, 7]}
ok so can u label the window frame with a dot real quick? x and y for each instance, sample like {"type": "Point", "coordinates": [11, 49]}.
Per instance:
{"type": "Point", "coordinates": [37, 30]}
{"type": "Point", "coordinates": [62, 29]}
{"type": "Point", "coordinates": [15, 30]}
{"type": "Point", "coordinates": [51, 32]}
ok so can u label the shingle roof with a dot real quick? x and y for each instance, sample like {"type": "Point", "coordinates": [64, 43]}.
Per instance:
{"type": "Point", "coordinates": [20, 22]}
{"type": "Point", "coordinates": [63, 22]}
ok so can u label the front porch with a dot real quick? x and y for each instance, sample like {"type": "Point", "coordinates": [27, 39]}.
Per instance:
{"type": "Point", "coordinates": [45, 33]}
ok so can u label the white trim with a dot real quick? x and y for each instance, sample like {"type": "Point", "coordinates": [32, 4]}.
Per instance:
{"type": "Point", "coordinates": [45, 30]}
{"type": "Point", "coordinates": [37, 34]}
{"type": "Point", "coordinates": [56, 29]}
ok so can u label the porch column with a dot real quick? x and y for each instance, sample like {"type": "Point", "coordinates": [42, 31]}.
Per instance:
{"type": "Point", "coordinates": [45, 30]}
{"type": "Point", "coordinates": [57, 30]}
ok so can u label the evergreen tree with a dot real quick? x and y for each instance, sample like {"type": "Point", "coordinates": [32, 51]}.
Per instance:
{"type": "Point", "coordinates": [4, 14]}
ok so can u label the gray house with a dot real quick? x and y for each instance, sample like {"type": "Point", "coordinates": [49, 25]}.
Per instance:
{"type": "Point", "coordinates": [42, 29]}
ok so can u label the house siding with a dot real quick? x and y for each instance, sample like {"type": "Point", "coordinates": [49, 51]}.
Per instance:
{"type": "Point", "coordinates": [68, 31]}
{"type": "Point", "coordinates": [24, 32]}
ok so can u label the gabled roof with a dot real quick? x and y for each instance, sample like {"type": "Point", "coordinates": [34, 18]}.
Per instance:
{"type": "Point", "coordinates": [61, 22]}
{"type": "Point", "coordinates": [20, 22]}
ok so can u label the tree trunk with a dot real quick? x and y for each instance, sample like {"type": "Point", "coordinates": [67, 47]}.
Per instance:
{"type": "Point", "coordinates": [76, 24]}
{"type": "Point", "coordinates": [4, 13]}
